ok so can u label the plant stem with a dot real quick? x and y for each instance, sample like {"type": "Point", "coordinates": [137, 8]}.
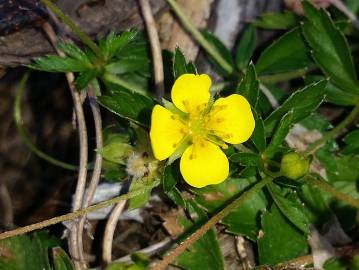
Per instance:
{"type": "Point", "coordinates": [280, 77]}
{"type": "Point", "coordinates": [25, 136]}
{"type": "Point", "coordinates": [347, 120]}
{"type": "Point", "coordinates": [70, 23]}
{"type": "Point", "coordinates": [76, 214]}
{"type": "Point", "coordinates": [325, 186]}
{"type": "Point", "coordinates": [211, 222]}
{"type": "Point", "coordinates": [199, 37]}
{"type": "Point", "coordinates": [117, 80]}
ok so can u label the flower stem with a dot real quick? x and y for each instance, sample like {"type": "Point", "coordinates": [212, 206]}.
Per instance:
{"type": "Point", "coordinates": [70, 23]}
{"type": "Point", "coordinates": [334, 132]}
{"type": "Point", "coordinates": [78, 213]}
{"type": "Point", "coordinates": [25, 136]}
{"type": "Point", "coordinates": [199, 37]}
{"type": "Point", "coordinates": [323, 185]}
{"type": "Point", "coordinates": [207, 226]}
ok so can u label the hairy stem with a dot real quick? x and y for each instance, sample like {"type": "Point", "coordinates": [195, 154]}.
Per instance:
{"type": "Point", "coordinates": [76, 214]}
{"type": "Point", "coordinates": [70, 23]}
{"type": "Point", "coordinates": [325, 186]}
{"type": "Point", "coordinates": [24, 134]}
{"type": "Point", "coordinates": [334, 132]}
{"type": "Point", "coordinates": [211, 222]}
{"type": "Point", "coordinates": [199, 37]}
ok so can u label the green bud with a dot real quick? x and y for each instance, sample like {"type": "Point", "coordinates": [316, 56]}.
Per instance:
{"type": "Point", "coordinates": [294, 166]}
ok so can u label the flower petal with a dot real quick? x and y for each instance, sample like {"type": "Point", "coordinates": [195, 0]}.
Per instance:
{"type": "Point", "coordinates": [204, 163]}
{"type": "Point", "coordinates": [231, 119]}
{"type": "Point", "coordinates": [166, 132]}
{"type": "Point", "coordinates": [190, 92]}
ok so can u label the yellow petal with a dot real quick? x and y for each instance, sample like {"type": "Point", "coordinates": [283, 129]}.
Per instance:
{"type": "Point", "coordinates": [166, 132]}
{"type": "Point", "coordinates": [231, 119]}
{"type": "Point", "coordinates": [204, 163]}
{"type": "Point", "coordinates": [190, 92]}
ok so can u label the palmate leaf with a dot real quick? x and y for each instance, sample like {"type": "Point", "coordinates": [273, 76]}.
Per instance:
{"type": "Point", "coordinates": [180, 65]}
{"type": "Point", "coordinates": [246, 47]}
{"type": "Point", "coordinates": [54, 63]}
{"type": "Point", "coordinates": [249, 86]}
{"type": "Point", "coordinates": [277, 20]}
{"type": "Point", "coordinates": [330, 48]}
{"type": "Point", "coordinates": [114, 44]}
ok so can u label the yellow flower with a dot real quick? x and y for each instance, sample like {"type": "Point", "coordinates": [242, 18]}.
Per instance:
{"type": "Point", "coordinates": [197, 128]}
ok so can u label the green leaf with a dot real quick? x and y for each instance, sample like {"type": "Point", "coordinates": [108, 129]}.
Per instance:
{"type": "Point", "coordinates": [277, 20]}
{"type": "Point", "coordinates": [244, 219]}
{"type": "Point", "coordinates": [303, 102]}
{"type": "Point", "coordinates": [170, 177]}
{"type": "Point", "coordinates": [246, 159]}
{"type": "Point", "coordinates": [258, 137]}
{"type": "Point", "coordinates": [54, 63]}
{"type": "Point", "coordinates": [353, 5]}
{"type": "Point", "coordinates": [221, 49]}
{"type": "Point", "coordinates": [85, 78]}
{"type": "Point", "coordinates": [280, 241]}
{"type": "Point", "coordinates": [74, 52]}
{"type": "Point", "coordinates": [288, 53]}
{"type": "Point", "coordinates": [290, 209]}
{"type": "Point", "coordinates": [116, 149]}
{"type": "Point", "coordinates": [176, 196]}
{"type": "Point", "coordinates": [61, 260]}
{"type": "Point", "coordinates": [142, 199]}
{"type": "Point", "coordinates": [249, 86]}
{"type": "Point", "coordinates": [281, 132]}
{"type": "Point", "coordinates": [180, 66]}
{"type": "Point", "coordinates": [114, 44]}
{"type": "Point", "coordinates": [130, 105]}
{"type": "Point", "coordinates": [246, 47]}
{"type": "Point", "coordinates": [26, 252]}
{"type": "Point", "coordinates": [205, 253]}
{"type": "Point", "coordinates": [330, 48]}
{"type": "Point", "coordinates": [129, 64]}
{"type": "Point", "coordinates": [335, 94]}
{"type": "Point", "coordinates": [352, 143]}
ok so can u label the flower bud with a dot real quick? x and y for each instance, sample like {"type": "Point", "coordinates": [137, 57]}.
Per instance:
{"type": "Point", "coordinates": [294, 166]}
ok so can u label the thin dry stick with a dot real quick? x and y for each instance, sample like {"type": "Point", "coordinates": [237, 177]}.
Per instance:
{"type": "Point", "coordinates": [82, 132]}
{"type": "Point", "coordinates": [207, 226]}
{"type": "Point", "coordinates": [109, 232]}
{"type": "Point", "coordinates": [76, 214]}
{"type": "Point", "coordinates": [155, 47]}
{"type": "Point", "coordinates": [96, 174]}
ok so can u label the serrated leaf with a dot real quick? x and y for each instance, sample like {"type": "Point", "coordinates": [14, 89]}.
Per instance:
{"type": "Point", "coordinates": [277, 20]}
{"type": "Point", "coordinates": [73, 51]}
{"type": "Point", "coordinates": [130, 105]}
{"type": "Point", "coordinates": [246, 47]}
{"type": "Point", "coordinates": [246, 159]}
{"type": "Point", "coordinates": [249, 86]}
{"type": "Point", "coordinates": [281, 132]}
{"type": "Point", "coordinates": [258, 137]}
{"type": "Point", "coordinates": [288, 53]}
{"type": "Point", "coordinates": [61, 260]}
{"type": "Point", "coordinates": [179, 64]}
{"type": "Point", "coordinates": [335, 94]}
{"type": "Point", "coordinates": [54, 63]}
{"type": "Point", "coordinates": [244, 219]}
{"type": "Point", "coordinates": [291, 210]}
{"type": "Point", "coordinates": [330, 48]}
{"type": "Point", "coordinates": [113, 43]}
{"type": "Point", "coordinates": [221, 49]}
{"type": "Point", "coordinates": [280, 241]}
{"type": "Point", "coordinates": [303, 102]}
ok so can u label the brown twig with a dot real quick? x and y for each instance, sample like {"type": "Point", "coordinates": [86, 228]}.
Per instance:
{"type": "Point", "coordinates": [155, 47]}
{"type": "Point", "coordinates": [75, 214]}
{"type": "Point", "coordinates": [207, 226]}
{"type": "Point", "coordinates": [109, 232]}
{"type": "Point", "coordinates": [82, 133]}
{"type": "Point", "coordinates": [96, 173]}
